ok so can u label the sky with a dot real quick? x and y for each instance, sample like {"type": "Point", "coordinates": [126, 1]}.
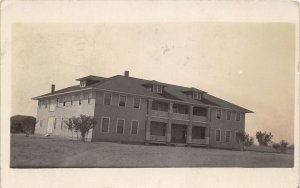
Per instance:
{"type": "Point", "coordinates": [249, 64]}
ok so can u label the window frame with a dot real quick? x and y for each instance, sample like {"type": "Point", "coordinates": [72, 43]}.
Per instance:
{"type": "Point", "coordinates": [80, 99]}
{"type": "Point", "coordinates": [89, 97]}
{"type": "Point", "coordinates": [228, 112]}
{"type": "Point", "coordinates": [120, 100]}
{"type": "Point", "coordinates": [65, 101]}
{"type": "Point", "coordinates": [137, 129]}
{"type": "Point", "coordinates": [72, 100]}
{"type": "Point", "coordinates": [226, 131]}
{"type": "Point", "coordinates": [238, 114]}
{"type": "Point", "coordinates": [220, 113]}
{"type": "Point", "coordinates": [62, 124]}
{"type": "Point", "coordinates": [216, 135]}
{"type": "Point", "coordinates": [120, 119]}
{"type": "Point", "coordinates": [134, 102]}
{"type": "Point", "coordinates": [107, 125]}
{"type": "Point", "coordinates": [54, 124]}
{"type": "Point", "coordinates": [235, 137]}
{"type": "Point", "coordinates": [110, 102]}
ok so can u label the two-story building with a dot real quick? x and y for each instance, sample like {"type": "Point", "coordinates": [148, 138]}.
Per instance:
{"type": "Point", "coordinates": [134, 110]}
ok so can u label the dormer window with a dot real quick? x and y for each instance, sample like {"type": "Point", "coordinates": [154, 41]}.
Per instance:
{"type": "Point", "coordinates": [197, 95]}
{"type": "Point", "coordinates": [157, 89]}
{"type": "Point", "coordinates": [82, 83]}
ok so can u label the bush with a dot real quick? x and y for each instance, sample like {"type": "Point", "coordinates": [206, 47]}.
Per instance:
{"type": "Point", "coordinates": [244, 139]}
{"type": "Point", "coordinates": [291, 147]}
{"type": "Point", "coordinates": [264, 138]}
{"type": "Point", "coordinates": [283, 145]}
{"type": "Point", "coordinates": [276, 146]}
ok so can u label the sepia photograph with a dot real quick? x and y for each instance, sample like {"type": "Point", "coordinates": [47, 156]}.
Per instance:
{"type": "Point", "coordinates": [133, 95]}
{"type": "Point", "coordinates": [150, 95]}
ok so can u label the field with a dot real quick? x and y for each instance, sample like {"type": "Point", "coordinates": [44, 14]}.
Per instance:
{"type": "Point", "coordinates": [37, 151]}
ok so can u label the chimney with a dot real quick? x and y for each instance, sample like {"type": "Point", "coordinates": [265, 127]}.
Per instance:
{"type": "Point", "coordinates": [52, 88]}
{"type": "Point", "coordinates": [126, 73]}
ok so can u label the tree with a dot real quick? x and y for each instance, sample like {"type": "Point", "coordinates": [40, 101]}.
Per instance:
{"type": "Point", "coordinates": [291, 147]}
{"type": "Point", "coordinates": [264, 138]}
{"type": "Point", "coordinates": [276, 146]}
{"type": "Point", "coordinates": [82, 124]}
{"type": "Point", "coordinates": [245, 139]}
{"type": "Point", "coordinates": [283, 145]}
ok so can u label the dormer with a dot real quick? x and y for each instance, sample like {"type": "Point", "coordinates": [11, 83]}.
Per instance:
{"type": "Point", "coordinates": [89, 80]}
{"type": "Point", "coordinates": [194, 93]}
{"type": "Point", "coordinates": [155, 86]}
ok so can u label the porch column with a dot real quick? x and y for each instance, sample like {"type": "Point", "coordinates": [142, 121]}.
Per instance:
{"type": "Point", "coordinates": [189, 128]}
{"type": "Point", "coordinates": [207, 132]}
{"type": "Point", "coordinates": [169, 125]}
{"type": "Point", "coordinates": [209, 114]}
{"type": "Point", "coordinates": [148, 119]}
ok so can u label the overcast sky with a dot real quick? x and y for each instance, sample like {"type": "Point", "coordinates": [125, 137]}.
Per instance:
{"type": "Point", "coordinates": [248, 64]}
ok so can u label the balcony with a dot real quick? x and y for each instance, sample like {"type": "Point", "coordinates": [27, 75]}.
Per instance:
{"type": "Point", "coordinates": [157, 138]}
{"type": "Point", "coordinates": [200, 118]}
{"type": "Point", "coordinates": [180, 116]}
{"type": "Point", "coordinates": [158, 113]}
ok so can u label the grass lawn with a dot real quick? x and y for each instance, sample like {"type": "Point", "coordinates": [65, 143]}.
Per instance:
{"type": "Point", "coordinates": [38, 151]}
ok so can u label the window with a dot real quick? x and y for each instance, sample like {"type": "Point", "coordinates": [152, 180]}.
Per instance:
{"type": "Point", "coordinates": [218, 135]}
{"type": "Point", "coordinates": [82, 83]}
{"type": "Point", "coordinates": [219, 114]}
{"type": "Point", "coordinates": [228, 115]}
{"type": "Point", "coordinates": [157, 89]}
{"type": "Point", "coordinates": [80, 99]}
{"type": "Point", "coordinates": [136, 102]}
{"type": "Point", "coordinates": [52, 107]}
{"type": "Point", "coordinates": [41, 123]}
{"type": "Point", "coordinates": [57, 101]}
{"type": "Point", "coordinates": [62, 123]}
{"type": "Point", "coordinates": [72, 100]}
{"type": "Point", "coordinates": [122, 100]}
{"type": "Point", "coordinates": [227, 136]}
{"type": "Point", "coordinates": [134, 127]}
{"type": "Point", "coordinates": [197, 95]}
{"type": "Point", "coordinates": [89, 98]}
{"type": "Point", "coordinates": [198, 132]}
{"type": "Point", "coordinates": [46, 104]}
{"type": "Point", "coordinates": [238, 116]}
{"type": "Point", "coordinates": [158, 128]}
{"type": "Point", "coordinates": [65, 100]}
{"type": "Point", "coordinates": [105, 125]}
{"type": "Point", "coordinates": [120, 126]}
{"type": "Point", "coordinates": [237, 136]}
{"type": "Point", "coordinates": [54, 124]}
{"type": "Point", "coordinates": [107, 99]}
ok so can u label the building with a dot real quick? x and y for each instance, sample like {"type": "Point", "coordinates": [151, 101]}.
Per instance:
{"type": "Point", "coordinates": [134, 110]}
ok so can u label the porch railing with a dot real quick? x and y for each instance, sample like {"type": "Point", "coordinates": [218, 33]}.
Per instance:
{"type": "Point", "coordinates": [160, 113]}
{"type": "Point", "coordinates": [180, 116]}
{"type": "Point", "coordinates": [158, 138]}
{"type": "Point", "coordinates": [199, 118]}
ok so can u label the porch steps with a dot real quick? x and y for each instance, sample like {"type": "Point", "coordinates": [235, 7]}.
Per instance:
{"type": "Point", "coordinates": [179, 144]}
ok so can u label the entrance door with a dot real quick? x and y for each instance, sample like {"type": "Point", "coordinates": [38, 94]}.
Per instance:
{"type": "Point", "coordinates": [178, 133]}
{"type": "Point", "coordinates": [50, 125]}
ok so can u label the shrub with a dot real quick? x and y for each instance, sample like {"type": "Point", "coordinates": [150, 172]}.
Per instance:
{"type": "Point", "coordinates": [264, 138]}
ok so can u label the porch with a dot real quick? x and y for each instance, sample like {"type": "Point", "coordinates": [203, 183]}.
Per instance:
{"type": "Point", "coordinates": [178, 134]}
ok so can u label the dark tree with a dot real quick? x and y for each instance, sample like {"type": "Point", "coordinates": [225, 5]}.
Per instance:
{"type": "Point", "coordinates": [264, 138]}
{"type": "Point", "coordinates": [244, 139]}
{"type": "Point", "coordinates": [82, 124]}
